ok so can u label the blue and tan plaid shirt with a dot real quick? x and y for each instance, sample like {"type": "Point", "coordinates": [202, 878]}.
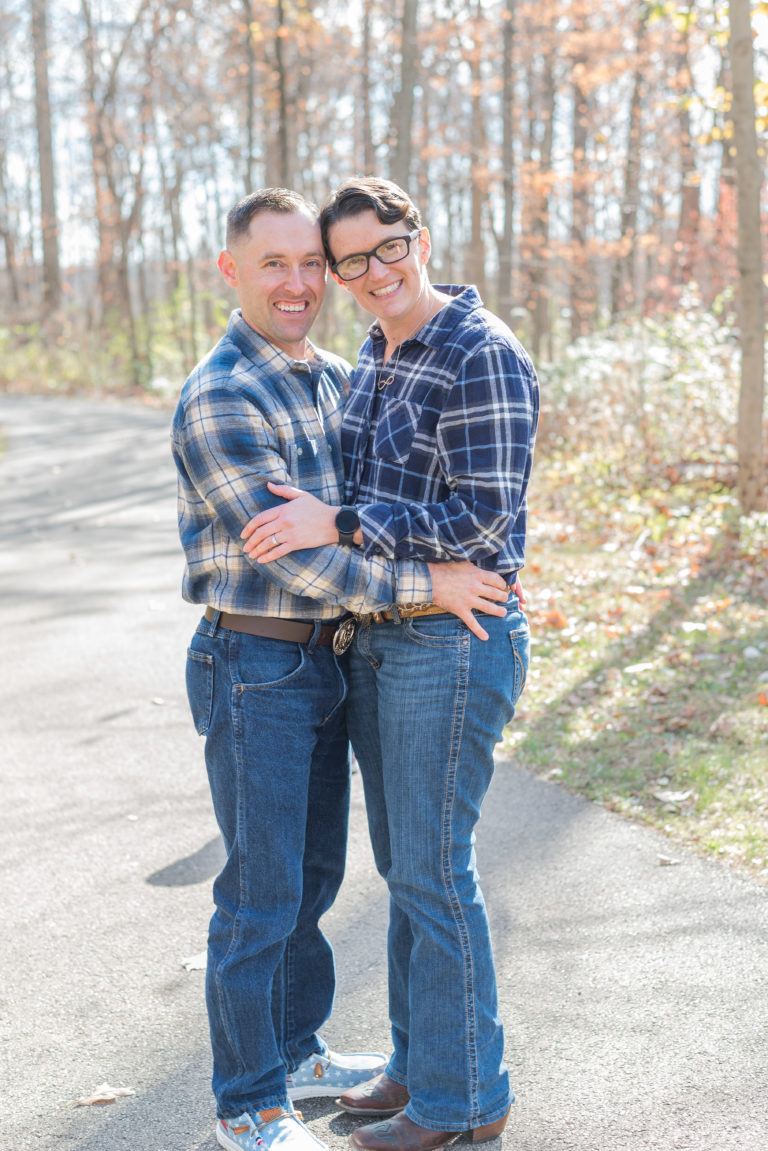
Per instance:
{"type": "Point", "coordinates": [249, 413]}
{"type": "Point", "coordinates": [438, 462]}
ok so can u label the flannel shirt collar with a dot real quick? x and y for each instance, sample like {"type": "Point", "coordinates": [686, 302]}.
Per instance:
{"type": "Point", "coordinates": [465, 299]}
{"type": "Point", "coordinates": [264, 354]}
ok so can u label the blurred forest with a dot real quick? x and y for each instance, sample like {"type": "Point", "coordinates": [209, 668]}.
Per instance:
{"type": "Point", "coordinates": [586, 164]}
{"type": "Point", "coordinates": [598, 170]}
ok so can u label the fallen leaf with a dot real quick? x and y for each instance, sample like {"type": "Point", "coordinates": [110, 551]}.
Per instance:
{"type": "Point", "coordinates": [103, 1094]}
{"type": "Point", "coordinates": [723, 727]}
{"type": "Point", "coordinates": [763, 698]}
{"type": "Point", "coordinates": [674, 797]}
{"type": "Point", "coordinates": [668, 861]}
{"type": "Point", "coordinates": [196, 962]}
{"type": "Point", "coordinates": [678, 722]}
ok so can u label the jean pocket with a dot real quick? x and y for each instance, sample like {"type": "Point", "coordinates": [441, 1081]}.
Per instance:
{"type": "Point", "coordinates": [520, 641]}
{"type": "Point", "coordinates": [437, 630]}
{"type": "Point", "coordinates": [264, 664]}
{"type": "Point", "coordinates": [200, 688]}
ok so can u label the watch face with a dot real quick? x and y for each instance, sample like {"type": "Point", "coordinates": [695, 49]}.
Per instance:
{"type": "Point", "coordinates": [347, 521]}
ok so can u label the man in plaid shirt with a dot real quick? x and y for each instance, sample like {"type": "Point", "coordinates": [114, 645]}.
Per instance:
{"type": "Point", "coordinates": [265, 686]}
{"type": "Point", "coordinates": [437, 438]}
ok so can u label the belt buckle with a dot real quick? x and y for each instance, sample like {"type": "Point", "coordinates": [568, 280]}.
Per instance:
{"type": "Point", "coordinates": [342, 639]}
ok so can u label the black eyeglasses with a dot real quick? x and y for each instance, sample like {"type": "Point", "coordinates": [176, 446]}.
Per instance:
{"type": "Point", "coordinates": [392, 250]}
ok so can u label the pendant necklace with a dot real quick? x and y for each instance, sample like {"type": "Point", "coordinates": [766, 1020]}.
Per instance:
{"type": "Point", "coordinates": [382, 383]}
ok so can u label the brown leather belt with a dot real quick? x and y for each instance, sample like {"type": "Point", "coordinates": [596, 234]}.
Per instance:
{"type": "Point", "coordinates": [346, 631]}
{"type": "Point", "coordinates": [404, 611]}
{"type": "Point", "coordinates": [271, 627]}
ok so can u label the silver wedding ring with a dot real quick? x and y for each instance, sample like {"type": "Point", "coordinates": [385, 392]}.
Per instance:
{"type": "Point", "coordinates": [274, 539]}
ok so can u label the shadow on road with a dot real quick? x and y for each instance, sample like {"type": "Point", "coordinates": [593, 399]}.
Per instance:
{"type": "Point", "coordinates": [196, 868]}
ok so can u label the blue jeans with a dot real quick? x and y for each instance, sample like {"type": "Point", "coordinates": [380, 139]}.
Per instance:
{"type": "Point", "coordinates": [427, 703]}
{"type": "Point", "coordinates": [272, 713]}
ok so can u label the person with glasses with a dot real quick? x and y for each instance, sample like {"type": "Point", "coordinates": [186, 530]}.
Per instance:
{"type": "Point", "coordinates": [265, 686]}
{"type": "Point", "coordinates": [437, 437]}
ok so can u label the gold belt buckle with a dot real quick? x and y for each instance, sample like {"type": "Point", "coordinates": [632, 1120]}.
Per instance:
{"type": "Point", "coordinates": [342, 639]}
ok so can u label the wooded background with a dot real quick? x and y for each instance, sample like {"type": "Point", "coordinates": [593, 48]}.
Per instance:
{"type": "Point", "coordinates": [580, 161]}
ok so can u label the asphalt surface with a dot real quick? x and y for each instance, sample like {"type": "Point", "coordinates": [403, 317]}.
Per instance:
{"type": "Point", "coordinates": [635, 995]}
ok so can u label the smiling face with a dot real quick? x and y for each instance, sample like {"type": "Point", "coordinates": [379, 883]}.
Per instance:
{"type": "Point", "coordinates": [278, 271]}
{"type": "Point", "coordinates": [394, 293]}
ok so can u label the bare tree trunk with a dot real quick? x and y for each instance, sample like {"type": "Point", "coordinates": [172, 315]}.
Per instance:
{"type": "Point", "coordinates": [282, 90]}
{"type": "Point", "coordinates": [723, 271]}
{"type": "Point", "coordinates": [366, 118]}
{"type": "Point", "coordinates": [688, 224]}
{"type": "Point", "coordinates": [111, 280]}
{"type": "Point", "coordinates": [6, 234]}
{"type": "Point", "coordinates": [422, 179]}
{"type": "Point", "coordinates": [250, 97]}
{"type": "Point", "coordinates": [580, 298]}
{"type": "Point", "coordinates": [752, 494]}
{"type": "Point", "coordinates": [623, 269]}
{"type": "Point", "coordinates": [49, 221]}
{"type": "Point", "coordinates": [402, 117]}
{"type": "Point", "coordinates": [170, 234]}
{"type": "Point", "coordinates": [504, 283]}
{"type": "Point", "coordinates": [535, 239]}
{"type": "Point", "coordinates": [478, 153]}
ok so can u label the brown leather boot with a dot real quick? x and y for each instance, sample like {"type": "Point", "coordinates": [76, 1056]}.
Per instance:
{"type": "Point", "coordinates": [402, 1134]}
{"type": "Point", "coordinates": [378, 1096]}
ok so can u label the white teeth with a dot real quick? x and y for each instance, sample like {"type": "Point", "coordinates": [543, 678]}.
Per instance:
{"type": "Point", "coordinates": [290, 307]}
{"type": "Point", "coordinates": [390, 288]}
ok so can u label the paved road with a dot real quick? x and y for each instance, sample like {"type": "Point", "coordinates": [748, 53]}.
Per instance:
{"type": "Point", "coordinates": [635, 995]}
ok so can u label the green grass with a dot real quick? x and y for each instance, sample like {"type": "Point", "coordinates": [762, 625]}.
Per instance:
{"type": "Point", "coordinates": [648, 688]}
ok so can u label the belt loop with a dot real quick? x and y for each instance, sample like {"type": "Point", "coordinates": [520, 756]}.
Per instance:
{"type": "Point", "coordinates": [213, 615]}
{"type": "Point", "coordinates": [312, 643]}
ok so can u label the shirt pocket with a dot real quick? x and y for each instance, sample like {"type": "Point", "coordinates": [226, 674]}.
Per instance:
{"type": "Point", "coordinates": [396, 429]}
{"type": "Point", "coordinates": [302, 454]}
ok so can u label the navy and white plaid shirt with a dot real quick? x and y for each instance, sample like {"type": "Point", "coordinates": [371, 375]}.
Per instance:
{"type": "Point", "coordinates": [438, 462]}
{"type": "Point", "coordinates": [249, 413]}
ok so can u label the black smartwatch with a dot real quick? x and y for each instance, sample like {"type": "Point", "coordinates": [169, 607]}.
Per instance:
{"type": "Point", "coordinates": [347, 523]}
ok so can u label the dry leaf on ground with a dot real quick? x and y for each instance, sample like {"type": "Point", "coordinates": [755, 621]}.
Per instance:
{"type": "Point", "coordinates": [196, 962]}
{"type": "Point", "coordinates": [102, 1094]}
{"type": "Point", "coordinates": [723, 727]}
{"type": "Point", "coordinates": [673, 797]}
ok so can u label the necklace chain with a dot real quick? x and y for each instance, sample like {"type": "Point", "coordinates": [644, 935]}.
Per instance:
{"type": "Point", "coordinates": [382, 383]}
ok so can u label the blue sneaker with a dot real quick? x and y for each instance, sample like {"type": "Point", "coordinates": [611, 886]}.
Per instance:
{"type": "Point", "coordinates": [238, 1134]}
{"type": "Point", "coordinates": [332, 1074]}
{"type": "Point", "coordinates": [276, 1129]}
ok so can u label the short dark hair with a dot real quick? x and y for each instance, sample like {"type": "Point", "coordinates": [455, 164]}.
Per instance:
{"type": "Point", "coordinates": [364, 194]}
{"type": "Point", "coordinates": [264, 200]}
